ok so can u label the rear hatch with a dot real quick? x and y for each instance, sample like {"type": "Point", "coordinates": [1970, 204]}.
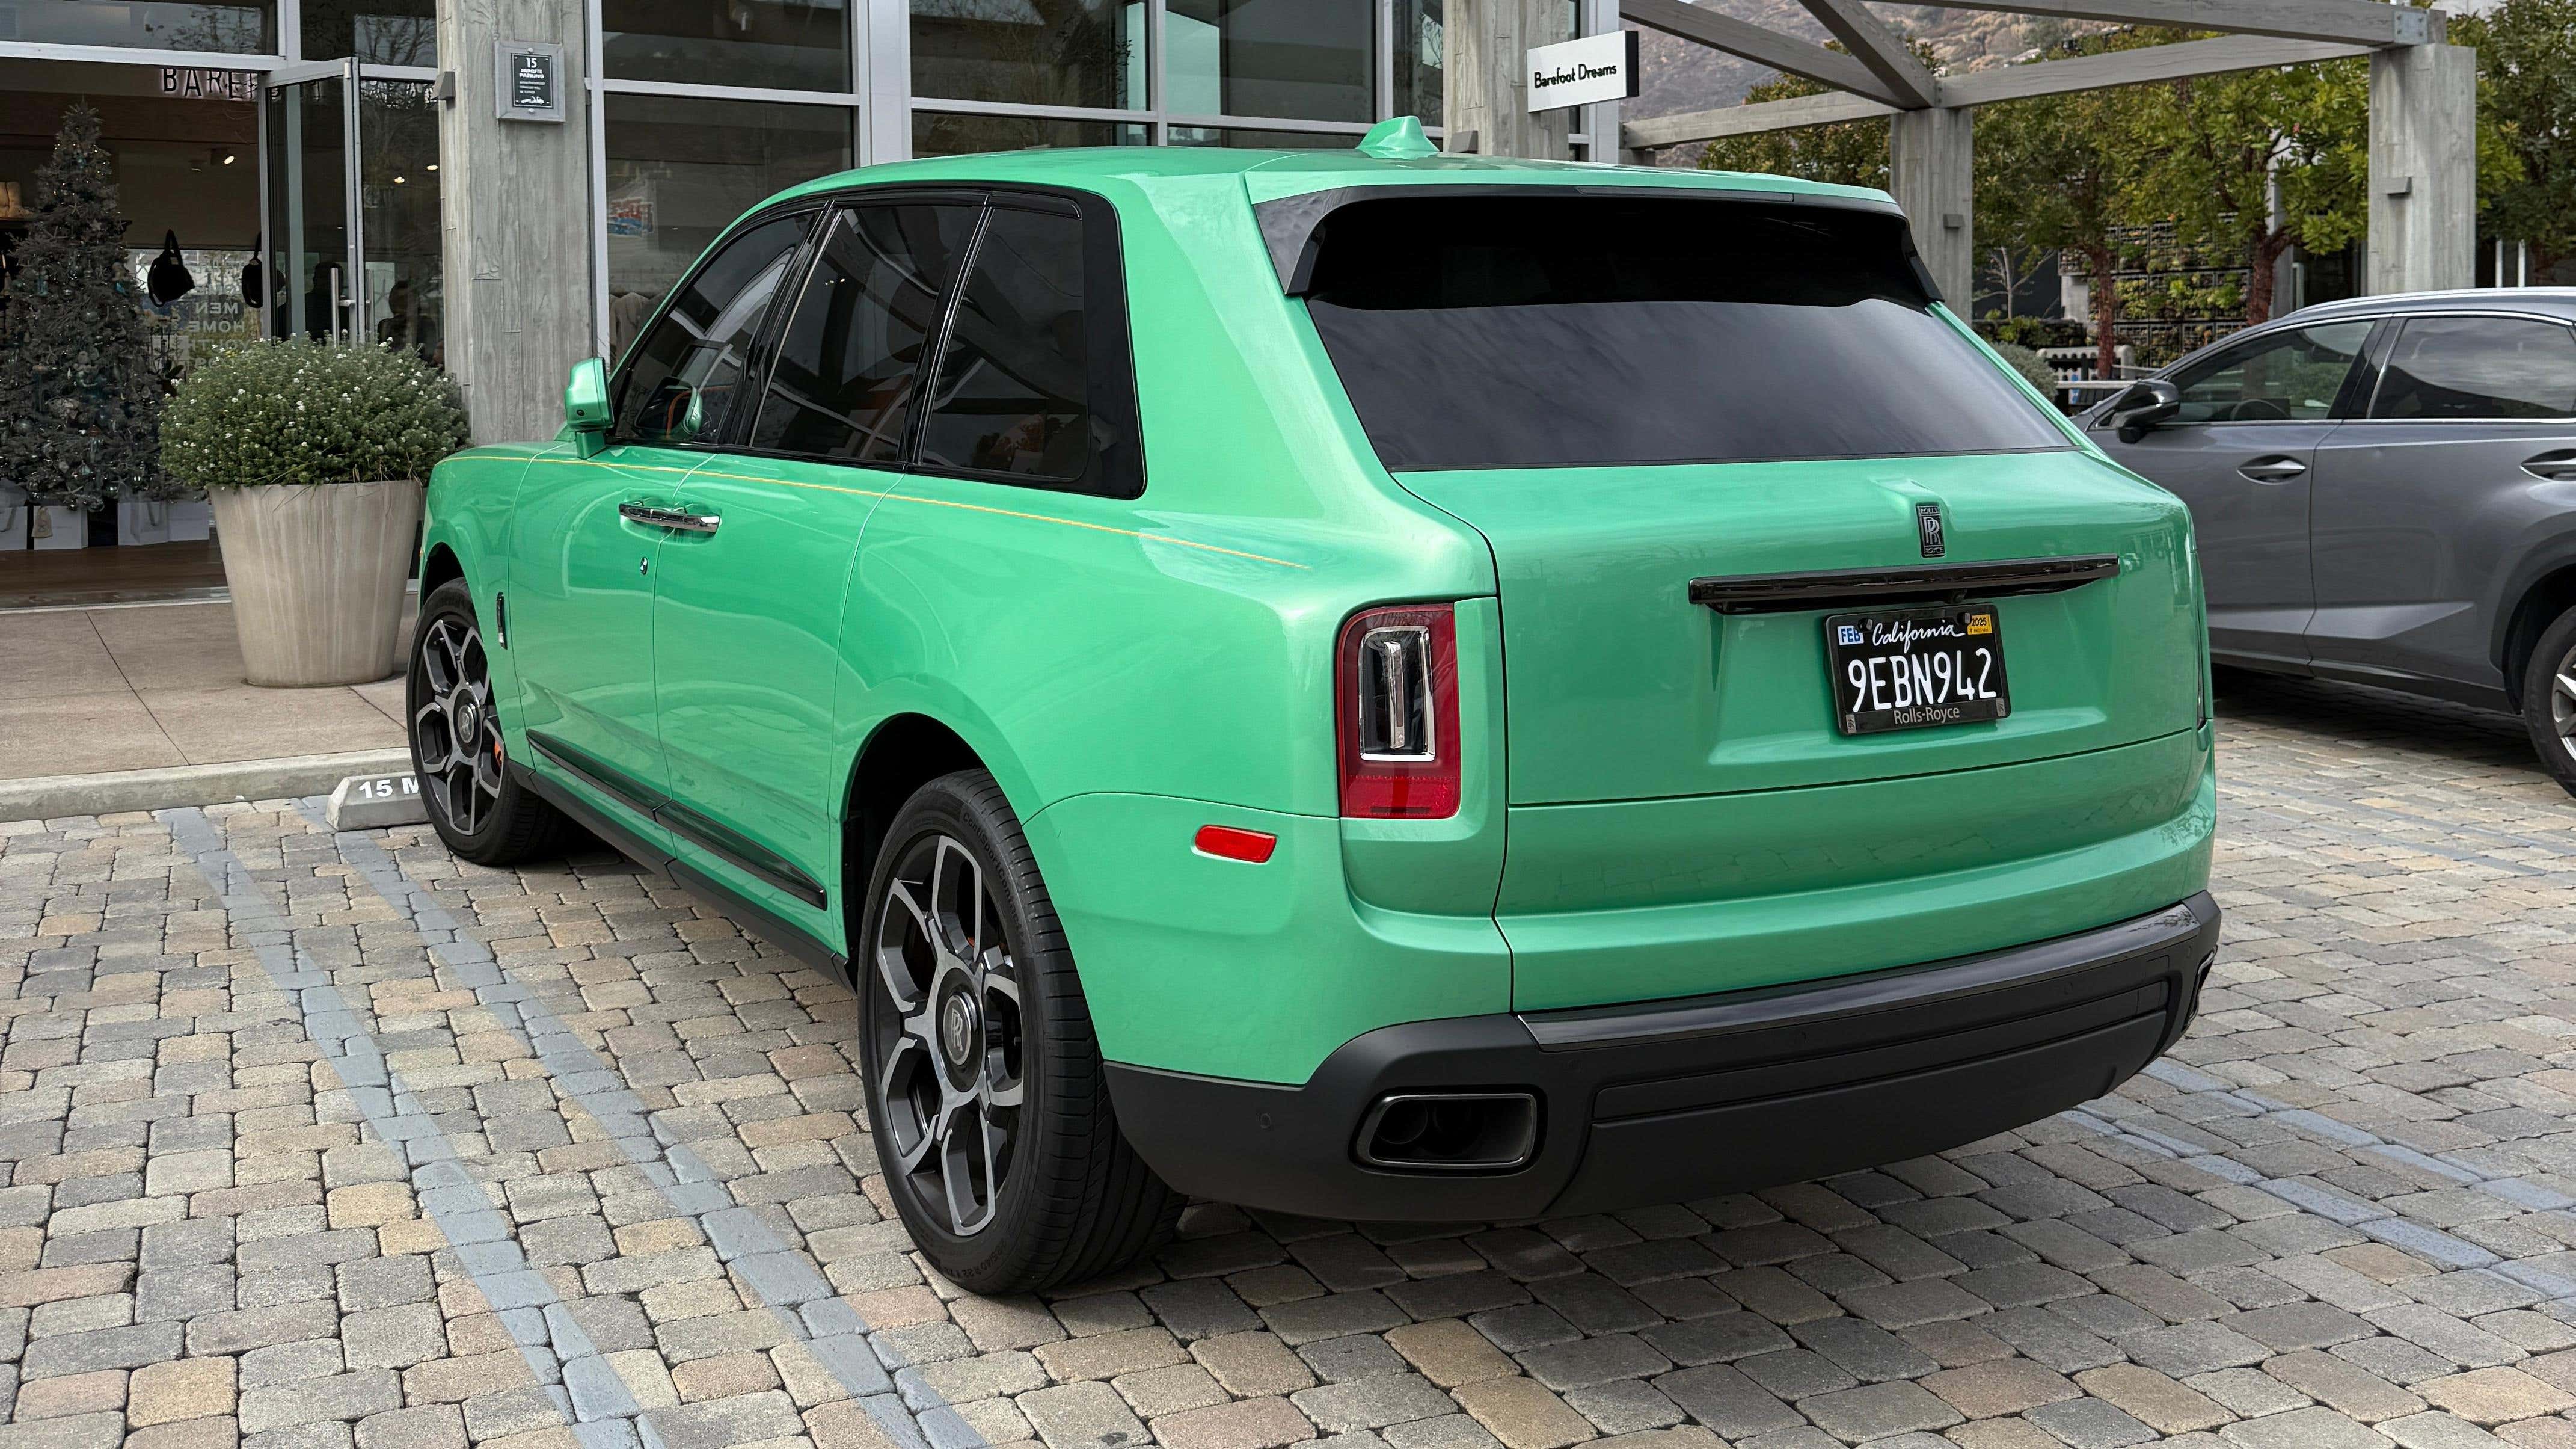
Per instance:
{"type": "Point", "coordinates": [1642, 404]}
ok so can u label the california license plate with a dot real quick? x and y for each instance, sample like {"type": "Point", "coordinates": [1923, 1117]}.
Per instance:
{"type": "Point", "coordinates": [1906, 669]}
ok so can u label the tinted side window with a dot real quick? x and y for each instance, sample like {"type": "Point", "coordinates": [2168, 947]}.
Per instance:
{"type": "Point", "coordinates": [843, 383]}
{"type": "Point", "coordinates": [1011, 394]}
{"type": "Point", "coordinates": [2479, 367]}
{"type": "Point", "coordinates": [682, 376]}
{"type": "Point", "coordinates": [2284, 377]}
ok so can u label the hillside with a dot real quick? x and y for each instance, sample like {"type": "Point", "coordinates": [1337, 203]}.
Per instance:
{"type": "Point", "coordinates": [1678, 76]}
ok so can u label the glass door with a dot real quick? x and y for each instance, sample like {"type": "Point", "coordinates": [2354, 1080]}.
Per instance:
{"type": "Point", "coordinates": [308, 144]}
{"type": "Point", "coordinates": [352, 230]}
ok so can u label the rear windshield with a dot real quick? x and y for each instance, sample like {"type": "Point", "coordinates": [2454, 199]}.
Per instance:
{"type": "Point", "coordinates": [1509, 332]}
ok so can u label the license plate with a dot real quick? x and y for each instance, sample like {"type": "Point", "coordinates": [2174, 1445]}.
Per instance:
{"type": "Point", "coordinates": [1906, 669]}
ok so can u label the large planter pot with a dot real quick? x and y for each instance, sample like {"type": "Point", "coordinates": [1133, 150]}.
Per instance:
{"type": "Point", "coordinates": [316, 574]}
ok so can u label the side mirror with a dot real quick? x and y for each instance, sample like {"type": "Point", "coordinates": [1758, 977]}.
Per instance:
{"type": "Point", "coordinates": [586, 404]}
{"type": "Point", "coordinates": [2142, 408]}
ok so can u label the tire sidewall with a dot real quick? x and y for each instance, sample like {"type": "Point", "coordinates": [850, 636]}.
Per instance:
{"type": "Point", "coordinates": [2538, 676]}
{"type": "Point", "coordinates": [998, 1252]}
{"type": "Point", "coordinates": [450, 600]}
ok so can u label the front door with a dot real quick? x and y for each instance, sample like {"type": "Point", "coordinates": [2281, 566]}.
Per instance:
{"type": "Point", "coordinates": [349, 178]}
{"type": "Point", "coordinates": [747, 622]}
{"type": "Point", "coordinates": [591, 531]}
{"type": "Point", "coordinates": [2240, 454]}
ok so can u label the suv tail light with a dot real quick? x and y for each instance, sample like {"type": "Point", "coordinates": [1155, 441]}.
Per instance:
{"type": "Point", "coordinates": [1396, 697]}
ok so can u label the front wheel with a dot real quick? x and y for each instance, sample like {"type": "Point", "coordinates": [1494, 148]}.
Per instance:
{"type": "Point", "coordinates": [2549, 699]}
{"type": "Point", "coordinates": [986, 1097]}
{"type": "Point", "coordinates": [457, 754]}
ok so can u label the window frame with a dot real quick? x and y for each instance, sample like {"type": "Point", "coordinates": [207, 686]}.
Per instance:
{"type": "Point", "coordinates": [2349, 394]}
{"type": "Point", "coordinates": [1109, 365]}
{"type": "Point", "coordinates": [2384, 343]}
{"type": "Point", "coordinates": [755, 362]}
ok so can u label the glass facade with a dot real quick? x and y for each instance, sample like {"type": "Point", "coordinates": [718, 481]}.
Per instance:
{"type": "Point", "coordinates": [780, 44]}
{"type": "Point", "coordinates": [1087, 53]}
{"type": "Point", "coordinates": [249, 29]}
{"type": "Point", "coordinates": [951, 134]}
{"type": "Point", "coordinates": [380, 32]}
{"type": "Point", "coordinates": [680, 169]}
{"type": "Point", "coordinates": [1302, 60]}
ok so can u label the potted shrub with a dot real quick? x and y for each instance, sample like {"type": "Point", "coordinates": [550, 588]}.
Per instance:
{"type": "Point", "coordinates": [313, 455]}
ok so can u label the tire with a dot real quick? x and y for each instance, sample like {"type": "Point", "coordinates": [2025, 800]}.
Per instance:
{"type": "Point", "coordinates": [483, 813]}
{"type": "Point", "coordinates": [980, 1060]}
{"type": "Point", "coordinates": [2548, 711]}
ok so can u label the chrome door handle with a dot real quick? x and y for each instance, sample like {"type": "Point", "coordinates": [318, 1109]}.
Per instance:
{"type": "Point", "coordinates": [678, 519]}
{"type": "Point", "coordinates": [2558, 467]}
{"type": "Point", "coordinates": [2273, 470]}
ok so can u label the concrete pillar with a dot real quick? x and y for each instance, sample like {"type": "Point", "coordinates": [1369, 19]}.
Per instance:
{"type": "Point", "coordinates": [1932, 172]}
{"type": "Point", "coordinates": [2423, 168]}
{"type": "Point", "coordinates": [1486, 85]}
{"type": "Point", "coordinates": [515, 200]}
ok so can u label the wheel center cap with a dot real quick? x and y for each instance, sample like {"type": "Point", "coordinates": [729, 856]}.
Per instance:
{"type": "Point", "coordinates": [957, 1031]}
{"type": "Point", "coordinates": [469, 719]}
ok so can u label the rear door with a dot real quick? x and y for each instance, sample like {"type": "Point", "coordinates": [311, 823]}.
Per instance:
{"type": "Point", "coordinates": [582, 575]}
{"type": "Point", "coordinates": [2242, 454]}
{"type": "Point", "coordinates": [747, 622]}
{"type": "Point", "coordinates": [2423, 505]}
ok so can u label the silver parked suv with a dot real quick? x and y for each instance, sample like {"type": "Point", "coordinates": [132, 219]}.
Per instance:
{"type": "Point", "coordinates": [2385, 492]}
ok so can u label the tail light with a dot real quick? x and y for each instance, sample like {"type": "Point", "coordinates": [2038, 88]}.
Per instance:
{"type": "Point", "coordinates": [1396, 696]}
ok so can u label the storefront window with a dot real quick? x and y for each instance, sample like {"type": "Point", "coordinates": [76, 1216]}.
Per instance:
{"type": "Point", "coordinates": [202, 192]}
{"type": "Point", "coordinates": [1078, 53]}
{"type": "Point", "coordinates": [380, 32]}
{"type": "Point", "coordinates": [680, 170]}
{"type": "Point", "coordinates": [1421, 59]}
{"type": "Point", "coordinates": [248, 29]}
{"type": "Point", "coordinates": [1305, 60]}
{"type": "Point", "coordinates": [788, 44]}
{"type": "Point", "coordinates": [934, 134]}
{"type": "Point", "coordinates": [1248, 138]}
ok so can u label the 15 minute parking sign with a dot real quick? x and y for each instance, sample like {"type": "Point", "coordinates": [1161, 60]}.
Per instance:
{"type": "Point", "coordinates": [1580, 72]}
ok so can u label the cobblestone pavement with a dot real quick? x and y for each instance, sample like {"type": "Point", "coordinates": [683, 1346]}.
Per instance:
{"type": "Point", "coordinates": [314, 1140]}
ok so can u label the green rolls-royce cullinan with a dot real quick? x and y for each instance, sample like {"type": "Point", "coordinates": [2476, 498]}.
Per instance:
{"type": "Point", "coordinates": [1373, 684]}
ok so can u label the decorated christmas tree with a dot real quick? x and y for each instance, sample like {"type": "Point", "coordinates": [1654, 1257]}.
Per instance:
{"type": "Point", "coordinates": [80, 398]}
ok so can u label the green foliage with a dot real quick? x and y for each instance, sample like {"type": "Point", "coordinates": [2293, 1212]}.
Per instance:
{"type": "Point", "coordinates": [79, 394]}
{"type": "Point", "coordinates": [2029, 365]}
{"type": "Point", "coordinates": [2031, 332]}
{"type": "Point", "coordinates": [2527, 116]}
{"type": "Point", "coordinates": [299, 411]}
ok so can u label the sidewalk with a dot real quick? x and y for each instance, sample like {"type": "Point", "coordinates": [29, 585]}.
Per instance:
{"type": "Point", "coordinates": [158, 688]}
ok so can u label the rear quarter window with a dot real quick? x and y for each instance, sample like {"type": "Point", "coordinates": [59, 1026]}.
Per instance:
{"type": "Point", "coordinates": [1512, 332]}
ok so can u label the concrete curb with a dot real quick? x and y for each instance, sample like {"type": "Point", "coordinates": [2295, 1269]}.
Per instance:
{"type": "Point", "coordinates": [46, 797]}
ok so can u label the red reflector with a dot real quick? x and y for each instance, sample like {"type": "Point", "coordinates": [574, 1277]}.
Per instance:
{"type": "Point", "coordinates": [1228, 843]}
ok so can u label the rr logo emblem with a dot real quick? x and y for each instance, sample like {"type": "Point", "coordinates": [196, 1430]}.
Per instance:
{"type": "Point", "coordinates": [1927, 524]}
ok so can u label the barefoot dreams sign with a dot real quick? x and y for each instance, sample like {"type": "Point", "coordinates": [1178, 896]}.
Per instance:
{"type": "Point", "coordinates": [1580, 72]}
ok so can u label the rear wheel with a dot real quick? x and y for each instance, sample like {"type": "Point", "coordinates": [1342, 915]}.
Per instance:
{"type": "Point", "coordinates": [2549, 699]}
{"type": "Point", "coordinates": [457, 754]}
{"type": "Point", "coordinates": [986, 1096]}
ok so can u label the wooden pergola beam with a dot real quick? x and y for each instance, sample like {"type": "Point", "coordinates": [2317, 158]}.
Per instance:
{"type": "Point", "coordinates": [2004, 83]}
{"type": "Point", "coordinates": [1709, 27]}
{"type": "Point", "coordinates": [1879, 48]}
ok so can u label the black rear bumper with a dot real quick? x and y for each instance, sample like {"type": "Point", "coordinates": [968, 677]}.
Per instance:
{"type": "Point", "coordinates": [1671, 1100]}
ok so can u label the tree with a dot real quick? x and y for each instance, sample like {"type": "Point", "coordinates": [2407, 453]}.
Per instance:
{"type": "Point", "coordinates": [2056, 172]}
{"type": "Point", "coordinates": [2254, 163]}
{"type": "Point", "coordinates": [2527, 111]}
{"type": "Point", "coordinates": [79, 395]}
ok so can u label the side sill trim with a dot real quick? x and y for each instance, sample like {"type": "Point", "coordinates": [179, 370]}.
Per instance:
{"type": "Point", "coordinates": [1931, 582]}
{"type": "Point", "coordinates": [750, 915]}
{"type": "Point", "coordinates": [747, 856]}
